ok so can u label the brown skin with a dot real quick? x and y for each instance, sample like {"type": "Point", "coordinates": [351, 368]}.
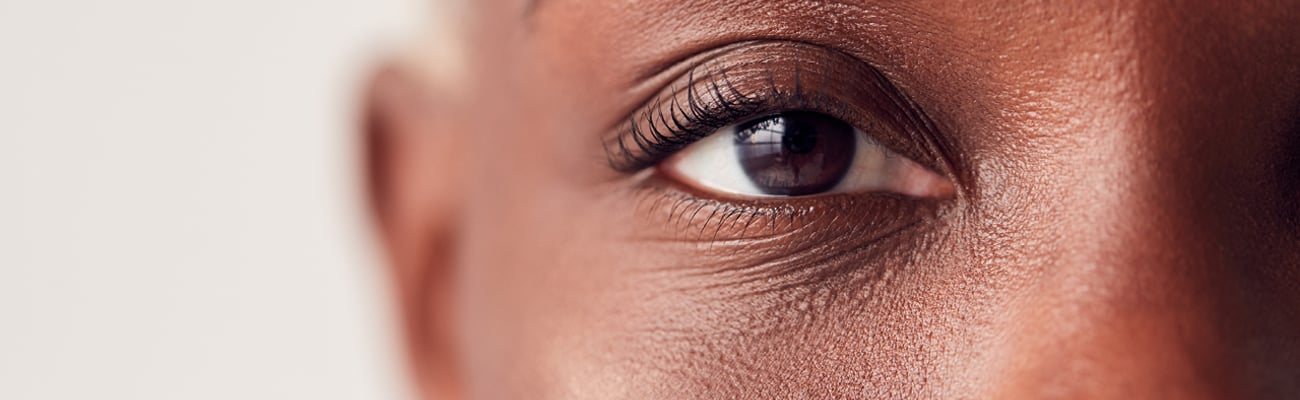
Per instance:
{"type": "Point", "coordinates": [1126, 222]}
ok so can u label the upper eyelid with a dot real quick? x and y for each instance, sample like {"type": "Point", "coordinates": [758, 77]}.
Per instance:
{"type": "Point", "coordinates": [689, 108]}
{"type": "Point", "coordinates": [647, 122]}
{"type": "Point", "coordinates": [640, 141]}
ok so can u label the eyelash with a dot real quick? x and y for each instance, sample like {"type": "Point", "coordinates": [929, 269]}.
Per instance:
{"type": "Point", "coordinates": [706, 101]}
{"type": "Point", "coordinates": [748, 82]}
{"type": "Point", "coordinates": [661, 130]}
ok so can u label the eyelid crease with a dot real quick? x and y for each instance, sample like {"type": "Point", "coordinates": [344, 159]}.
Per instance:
{"type": "Point", "coordinates": [747, 81]}
{"type": "Point", "coordinates": [661, 74]}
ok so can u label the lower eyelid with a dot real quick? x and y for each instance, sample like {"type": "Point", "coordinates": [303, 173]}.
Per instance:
{"type": "Point", "coordinates": [683, 214]}
{"type": "Point", "coordinates": [807, 245]}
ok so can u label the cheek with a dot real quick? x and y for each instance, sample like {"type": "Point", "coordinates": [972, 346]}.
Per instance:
{"type": "Point", "coordinates": [629, 326]}
{"type": "Point", "coordinates": [566, 297]}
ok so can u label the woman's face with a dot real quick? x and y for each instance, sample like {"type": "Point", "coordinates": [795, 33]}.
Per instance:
{"type": "Point", "coordinates": [851, 199]}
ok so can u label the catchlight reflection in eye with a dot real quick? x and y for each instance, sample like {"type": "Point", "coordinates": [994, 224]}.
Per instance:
{"type": "Point", "coordinates": [799, 153]}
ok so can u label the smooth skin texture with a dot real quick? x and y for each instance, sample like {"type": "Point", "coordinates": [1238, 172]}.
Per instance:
{"type": "Point", "coordinates": [1125, 221]}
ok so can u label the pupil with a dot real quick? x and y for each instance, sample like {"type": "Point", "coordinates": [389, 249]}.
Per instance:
{"type": "Point", "coordinates": [795, 153]}
{"type": "Point", "coordinates": [798, 139]}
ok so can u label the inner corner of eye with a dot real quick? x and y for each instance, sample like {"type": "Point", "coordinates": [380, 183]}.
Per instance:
{"type": "Point", "coordinates": [798, 153]}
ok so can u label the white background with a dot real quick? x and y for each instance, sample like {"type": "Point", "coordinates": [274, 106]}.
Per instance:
{"type": "Point", "coordinates": [179, 212]}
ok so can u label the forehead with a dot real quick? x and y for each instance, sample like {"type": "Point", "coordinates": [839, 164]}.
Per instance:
{"type": "Point", "coordinates": [629, 39]}
{"type": "Point", "coordinates": [646, 18]}
{"type": "Point", "coordinates": [647, 33]}
{"type": "Point", "coordinates": [997, 13]}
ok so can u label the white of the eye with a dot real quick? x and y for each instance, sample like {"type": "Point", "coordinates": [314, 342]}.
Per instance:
{"type": "Point", "coordinates": [712, 163]}
{"type": "Point", "coordinates": [876, 168]}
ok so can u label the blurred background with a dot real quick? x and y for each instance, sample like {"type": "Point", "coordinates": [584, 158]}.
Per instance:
{"type": "Point", "coordinates": [180, 215]}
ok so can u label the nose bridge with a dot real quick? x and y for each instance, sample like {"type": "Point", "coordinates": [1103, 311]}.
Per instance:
{"type": "Point", "coordinates": [1133, 300]}
{"type": "Point", "coordinates": [1131, 303]}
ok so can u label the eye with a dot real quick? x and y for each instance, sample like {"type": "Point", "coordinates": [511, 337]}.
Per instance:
{"type": "Point", "coordinates": [799, 153]}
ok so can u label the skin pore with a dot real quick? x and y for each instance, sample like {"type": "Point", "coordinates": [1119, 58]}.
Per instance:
{"type": "Point", "coordinates": [1114, 210]}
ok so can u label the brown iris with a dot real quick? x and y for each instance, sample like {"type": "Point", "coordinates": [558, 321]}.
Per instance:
{"type": "Point", "coordinates": [795, 153]}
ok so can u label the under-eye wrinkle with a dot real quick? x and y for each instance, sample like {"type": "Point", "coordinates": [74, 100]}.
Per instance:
{"type": "Point", "coordinates": [808, 112]}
